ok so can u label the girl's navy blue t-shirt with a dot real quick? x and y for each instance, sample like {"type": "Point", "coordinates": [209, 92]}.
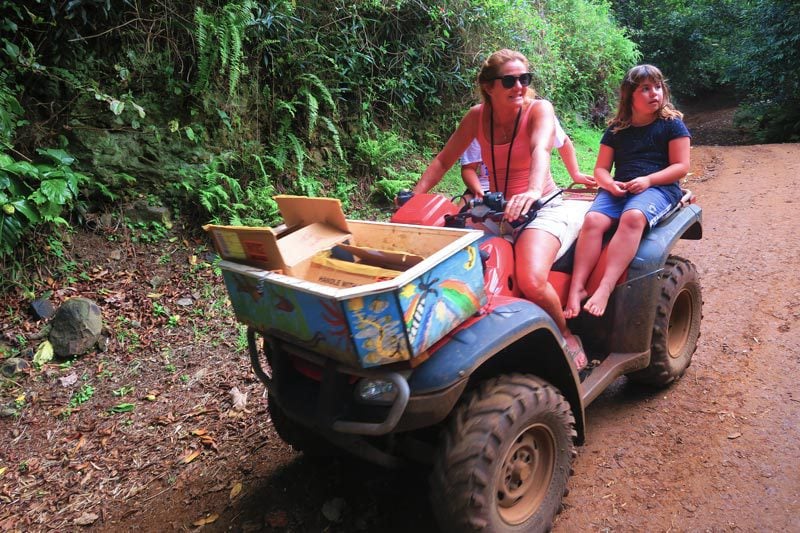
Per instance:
{"type": "Point", "coordinates": [639, 151]}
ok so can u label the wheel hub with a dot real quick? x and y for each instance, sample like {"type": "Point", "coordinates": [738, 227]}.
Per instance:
{"type": "Point", "coordinates": [680, 321]}
{"type": "Point", "coordinates": [525, 474]}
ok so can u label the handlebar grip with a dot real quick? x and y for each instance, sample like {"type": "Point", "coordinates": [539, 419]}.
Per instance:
{"type": "Point", "coordinates": [403, 197]}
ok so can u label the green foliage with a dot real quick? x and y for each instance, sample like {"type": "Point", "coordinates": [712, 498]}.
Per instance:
{"type": "Point", "coordinates": [767, 70]}
{"type": "Point", "coordinates": [345, 99]}
{"type": "Point", "coordinates": [577, 52]}
{"type": "Point", "coordinates": [221, 43]}
{"type": "Point", "coordinates": [35, 193]}
{"type": "Point", "coordinates": [676, 36]}
{"type": "Point", "coordinates": [586, 141]}
{"type": "Point", "coordinates": [752, 45]}
{"type": "Point", "coordinates": [81, 396]}
{"type": "Point", "coordinates": [377, 154]}
{"type": "Point", "coordinates": [211, 187]}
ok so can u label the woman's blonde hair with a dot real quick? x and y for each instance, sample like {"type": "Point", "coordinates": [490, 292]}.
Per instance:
{"type": "Point", "coordinates": [632, 80]}
{"type": "Point", "coordinates": [491, 67]}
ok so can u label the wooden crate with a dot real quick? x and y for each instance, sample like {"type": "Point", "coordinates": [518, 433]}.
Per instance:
{"type": "Point", "coordinates": [369, 324]}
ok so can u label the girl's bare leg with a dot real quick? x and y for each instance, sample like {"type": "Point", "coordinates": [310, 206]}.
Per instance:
{"type": "Point", "coordinates": [587, 251]}
{"type": "Point", "coordinates": [621, 251]}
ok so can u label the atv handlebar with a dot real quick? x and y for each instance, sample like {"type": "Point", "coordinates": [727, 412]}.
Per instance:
{"type": "Point", "coordinates": [495, 206]}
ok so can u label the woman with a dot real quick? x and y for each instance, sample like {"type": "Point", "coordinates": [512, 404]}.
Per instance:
{"type": "Point", "coordinates": [516, 132]}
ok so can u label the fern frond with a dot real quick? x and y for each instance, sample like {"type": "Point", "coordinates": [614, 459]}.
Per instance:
{"type": "Point", "coordinates": [323, 90]}
{"type": "Point", "coordinates": [313, 109]}
{"type": "Point", "coordinates": [299, 152]}
{"type": "Point", "coordinates": [334, 132]}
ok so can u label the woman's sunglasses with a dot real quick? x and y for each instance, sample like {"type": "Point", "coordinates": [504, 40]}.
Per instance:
{"type": "Point", "coordinates": [509, 81]}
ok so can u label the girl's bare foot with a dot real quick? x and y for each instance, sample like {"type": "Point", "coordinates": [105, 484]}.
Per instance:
{"type": "Point", "coordinates": [574, 299]}
{"type": "Point", "coordinates": [596, 305]}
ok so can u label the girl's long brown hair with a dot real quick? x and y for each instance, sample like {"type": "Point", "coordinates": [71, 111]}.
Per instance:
{"type": "Point", "coordinates": [632, 80]}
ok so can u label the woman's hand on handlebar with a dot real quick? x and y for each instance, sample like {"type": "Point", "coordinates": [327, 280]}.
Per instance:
{"type": "Point", "coordinates": [519, 204]}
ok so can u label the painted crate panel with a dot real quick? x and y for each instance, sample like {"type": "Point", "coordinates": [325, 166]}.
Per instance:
{"type": "Point", "coordinates": [366, 326]}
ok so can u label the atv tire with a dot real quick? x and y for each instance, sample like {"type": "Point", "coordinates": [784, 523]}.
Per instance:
{"type": "Point", "coordinates": [676, 329]}
{"type": "Point", "coordinates": [505, 458]}
{"type": "Point", "coordinates": [298, 436]}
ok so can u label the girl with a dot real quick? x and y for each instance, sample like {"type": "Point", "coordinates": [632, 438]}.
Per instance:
{"type": "Point", "coordinates": [516, 132]}
{"type": "Point", "coordinates": [647, 143]}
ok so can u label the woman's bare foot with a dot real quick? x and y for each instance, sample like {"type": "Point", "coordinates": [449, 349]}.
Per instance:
{"type": "Point", "coordinates": [575, 351]}
{"type": "Point", "coordinates": [596, 305]}
{"type": "Point", "coordinates": [573, 307]}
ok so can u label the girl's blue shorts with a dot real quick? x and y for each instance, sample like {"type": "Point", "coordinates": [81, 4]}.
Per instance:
{"type": "Point", "coordinates": [655, 203]}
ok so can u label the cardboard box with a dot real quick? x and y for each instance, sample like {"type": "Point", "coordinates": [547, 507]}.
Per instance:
{"type": "Point", "coordinates": [310, 225]}
{"type": "Point", "coordinates": [371, 322]}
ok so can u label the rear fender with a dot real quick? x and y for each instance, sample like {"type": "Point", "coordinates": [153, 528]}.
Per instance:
{"type": "Point", "coordinates": [515, 336]}
{"type": "Point", "coordinates": [635, 299]}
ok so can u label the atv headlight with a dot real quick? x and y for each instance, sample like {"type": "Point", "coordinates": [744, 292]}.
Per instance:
{"type": "Point", "coordinates": [378, 391]}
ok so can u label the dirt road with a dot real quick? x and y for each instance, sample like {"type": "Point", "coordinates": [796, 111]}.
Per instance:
{"type": "Point", "coordinates": [719, 450]}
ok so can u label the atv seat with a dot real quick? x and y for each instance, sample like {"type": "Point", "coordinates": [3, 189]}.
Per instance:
{"type": "Point", "coordinates": [565, 262]}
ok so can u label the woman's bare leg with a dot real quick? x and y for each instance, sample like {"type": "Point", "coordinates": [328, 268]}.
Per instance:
{"type": "Point", "coordinates": [534, 253]}
{"type": "Point", "coordinates": [587, 251]}
{"type": "Point", "coordinates": [621, 251]}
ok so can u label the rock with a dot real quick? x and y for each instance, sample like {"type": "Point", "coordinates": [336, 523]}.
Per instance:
{"type": "Point", "coordinates": [42, 308]}
{"type": "Point", "coordinates": [142, 212]}
{"type": "Point", "coordinates": [13, 366]}
{"type": "Point", "coordinates": [76, 327]}
{"type": "Point", "coordinates": [334, 509]}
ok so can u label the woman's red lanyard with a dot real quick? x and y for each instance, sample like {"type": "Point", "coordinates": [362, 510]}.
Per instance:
{"type": "Point", "coordinates": [491, 140]}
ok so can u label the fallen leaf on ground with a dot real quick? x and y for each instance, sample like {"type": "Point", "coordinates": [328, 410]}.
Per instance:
{"type": "Point", "coordinates": [333, 509]}
{"type": "Point", "coordinates": [68, 381]}
{"type": "Point", "coordinates": [44, 354]}
{"type": "Point", "coordinates": [277, 519]}
{"type": "Point", "coordinates": [86, 519]}
{"type": "Point", "coordinates": [239, 399]}
{"type": "Point", "coordinates": [210, 519]}
{"type": "Point", "coordinates": [190, 457]}
{"type": "Point", "coordinates": [236, 490]}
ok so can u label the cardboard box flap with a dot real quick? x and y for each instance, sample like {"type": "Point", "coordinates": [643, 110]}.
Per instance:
{"type": "Point", "coordinates": [257, 246]}
{"type": "Point", "coordinates": [299, 211]}
{"type": "Point", "coordinates": [308, 240]}
{"type": "Point", "coordinates": [342, 274]}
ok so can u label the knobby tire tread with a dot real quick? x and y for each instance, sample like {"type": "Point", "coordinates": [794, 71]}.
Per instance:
{"type": "Point", "coordinates": [660, 372]}
{"type": "Point", "coordinates": [472, 442]}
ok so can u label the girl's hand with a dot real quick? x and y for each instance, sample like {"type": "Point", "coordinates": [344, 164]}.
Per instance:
{"type": "Point", "coordinates": [637, 185]}
{"type": "Point", "coordinates": [584, 179]}
{"type": "Point", "coordinates": [519, 204]}
{"type": "Point", "coordinates": [617, 188]}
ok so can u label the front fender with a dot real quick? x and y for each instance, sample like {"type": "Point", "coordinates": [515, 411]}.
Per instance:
{"type": "Point", "coordinates": [515, 335]}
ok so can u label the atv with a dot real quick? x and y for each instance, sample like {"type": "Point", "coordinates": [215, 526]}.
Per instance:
{"type": "Point", "coordinates": [492, 402]}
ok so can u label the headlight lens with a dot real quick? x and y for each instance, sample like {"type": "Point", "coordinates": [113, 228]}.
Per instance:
{"type": "Point", "coordinates": [376, 391]}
